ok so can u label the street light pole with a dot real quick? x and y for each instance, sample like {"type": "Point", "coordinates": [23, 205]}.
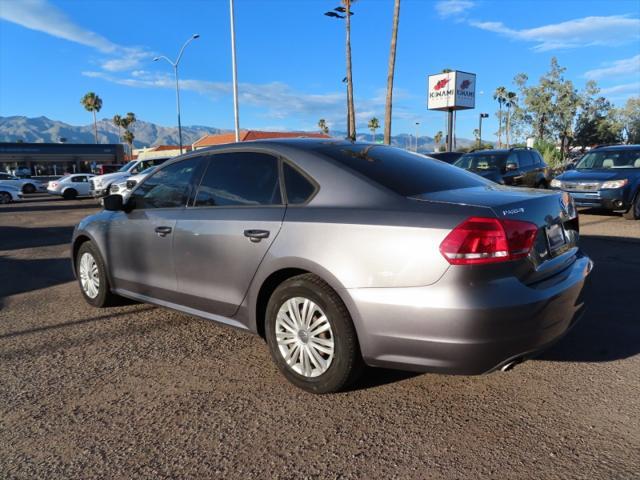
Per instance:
{"type": "Point", "coordinates": [482, 115]}
{"type": "Point", "coordinates": [417, 137]}
{"type": "Point", "coordinates": [234, 72]}
{"type": "Point", "coordinates": [175, 72]}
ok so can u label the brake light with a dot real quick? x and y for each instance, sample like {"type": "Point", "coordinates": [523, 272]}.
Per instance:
{"type": "Point", "coordinates": [480, 240]}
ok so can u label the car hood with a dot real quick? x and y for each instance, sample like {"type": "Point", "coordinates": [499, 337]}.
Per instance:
{"type": "Point", "coordinates": [598, 175]}
{"type": "Point", "coordinates": [111, 177]}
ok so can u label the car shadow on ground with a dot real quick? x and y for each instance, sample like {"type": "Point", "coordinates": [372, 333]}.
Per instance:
{"type": "Point", "coordinates": [610, 328]}
{"type": "Point", "coordinates": [22, 275]}
{"type": "Point", "coordinates": [17, 238]}
{"type": "Point", "coordinates": [20, 207]}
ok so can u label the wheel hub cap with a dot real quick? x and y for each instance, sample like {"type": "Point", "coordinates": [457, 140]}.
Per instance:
{"type": "Point", "coordinates": [89, 275]}
{"type": "Point", "coordinates": [304, 336]}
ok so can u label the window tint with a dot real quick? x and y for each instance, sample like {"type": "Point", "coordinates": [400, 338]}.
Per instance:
{"type": "Point", "coordinates": [240, 179]}
{"type": "Point", "coordinates": [525, 158]}
{"type": "Point", "coordinates": [79, 179]}
{"type": "Point", "coordinates": [482, 161]}
{"type": "Point", "coordinates": [168, 187]}
{"type": "Point", "coordinates": [405, 173]}
{"type": "Point", "coordinates": [299, 189]}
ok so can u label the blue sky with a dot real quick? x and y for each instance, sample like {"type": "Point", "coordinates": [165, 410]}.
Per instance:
{"type": "Point", "coordinates": [291, 57]}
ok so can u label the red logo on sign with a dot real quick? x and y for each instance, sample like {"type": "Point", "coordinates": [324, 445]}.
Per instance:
{"type": "Point", "coordinates": [465, 84]}
{"type": "Point", "coordinates": [441, 84]}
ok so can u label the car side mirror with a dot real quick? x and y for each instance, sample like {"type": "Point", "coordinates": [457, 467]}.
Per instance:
{"type": "Point", "coordinates": [511, 166]}
{"type": "Point", "coordinates": [113, 203]}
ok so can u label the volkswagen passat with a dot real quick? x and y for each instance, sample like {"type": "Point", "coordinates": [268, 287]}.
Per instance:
{"type": "Point", "coordinates": [343, 254]}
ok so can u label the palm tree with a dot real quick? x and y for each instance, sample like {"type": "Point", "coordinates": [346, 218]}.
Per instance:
{"type": "Point", "coordinates": [117, 121]}
{"type": "Point", "coordinates": [510, 101]}
{"type": "Point", "coordinates": [374, 124]}
{"type": "Point", "coordinates": [500, 95]}
{"type": "Point", "coordinates": [437, 139]}
{"type": "Point", "coordinates": [92, 103]}
{"type": "Point", "coordinates": [128, 137]}
{"type": "Point", "coordinates": [390, 73]}
{"type": "Point", "coordinates": [322, 125]}
{"type": "Point", "coordinates": [351, 129]}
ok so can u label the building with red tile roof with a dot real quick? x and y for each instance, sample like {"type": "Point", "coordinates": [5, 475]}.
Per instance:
{"type": "Point", "coordinates": [247, 135]}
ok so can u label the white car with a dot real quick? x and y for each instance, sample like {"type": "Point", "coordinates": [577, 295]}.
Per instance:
{"type": "Point", "coordinates": [101, 184]}
{"type": "Point", "coordinates": [71, 186]}
{"type": "Point", "coordinates": [26, 185]}
{"type": "Point", "coordinates": [9, 193]}
{"type": "Point", "coordinates": [124, 188]}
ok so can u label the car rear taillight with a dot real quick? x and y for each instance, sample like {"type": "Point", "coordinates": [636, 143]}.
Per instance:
{"type": "Point", "coordinates": [480, 240]}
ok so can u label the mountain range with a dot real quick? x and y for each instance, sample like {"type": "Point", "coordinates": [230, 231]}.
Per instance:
{"type": "Point", "coordinates": [45, 130]}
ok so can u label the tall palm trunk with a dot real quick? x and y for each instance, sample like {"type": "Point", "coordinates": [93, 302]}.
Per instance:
{"type": "Point", "coordinates": [351, 117]}
{"type": "Point", "coordinates": [508, 127]}
{"type": "Point", "coordinates": [95, 126]}
{"type": "Point", "coordinates": [390, 73]}
{"type": "Point", "coordinates": [500, 124]}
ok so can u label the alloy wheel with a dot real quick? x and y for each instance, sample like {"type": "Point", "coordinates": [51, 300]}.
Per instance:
{"type": "Point", "coordinates": [89, 275]}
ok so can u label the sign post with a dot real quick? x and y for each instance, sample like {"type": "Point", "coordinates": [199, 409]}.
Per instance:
{"type": "Point", "coordinates": [449, 92]}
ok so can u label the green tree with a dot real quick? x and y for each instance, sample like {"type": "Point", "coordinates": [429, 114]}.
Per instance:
{"type": "Point", "coordinates": [500, 95]}
{"type": "Point", "coordinates": [390, 73]}
{"type": "Point", "coordinates": [373, 125]}
{"type": "Point", "coordinates": [92, 103]}
{"type": "Point", "coordinates": [509, 101]}
{"type": "Point", "coordinates": [126, 122]}
{"type": "Point", "coordinates": [630, 119]}
{"type": "Point", "coordinates": [117, 121]}
{"type": "Point", "coordinates": [597, 125]}
{"type": "Point", "coordinates": [128, 137]}
{"type": "Point", "coordinates": [322, 125]}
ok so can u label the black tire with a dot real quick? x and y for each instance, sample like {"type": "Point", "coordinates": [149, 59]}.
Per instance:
{"type": "Point", "coordinates": [104, 297]}
{"type": "Point", "coordinates": [70, 194]}
{"type": "Point", "coordinates": [634, 212]}
{"type": "Point", "coordinates": [5, 198]}
{"type": "Point", "coordinates": [346, 364]}
{"type": "Point", "coordinates": [28, 188]}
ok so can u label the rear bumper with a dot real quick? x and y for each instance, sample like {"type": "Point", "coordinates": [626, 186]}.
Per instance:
{"type": "Point", "coordinates": [54, 192]}
{"type": "Point", "coordinates": [458, 328]}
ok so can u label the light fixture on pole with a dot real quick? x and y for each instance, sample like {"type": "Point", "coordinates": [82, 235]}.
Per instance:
{"type": "Point", "coordinates": [175, 72]}
{"type": "Point", "coordinates": [236, 114]}
{"type": "Point", "coordinates": [482, 115]}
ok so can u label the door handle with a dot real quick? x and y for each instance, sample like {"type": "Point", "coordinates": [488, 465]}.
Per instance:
{"type": "Point", "coordinates": [163, 231]}
{"type": "Point", "coordinates": [256, 235]}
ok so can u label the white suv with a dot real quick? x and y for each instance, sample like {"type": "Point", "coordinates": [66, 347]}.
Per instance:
{"type": "Point", "coordinates": [101, 184]}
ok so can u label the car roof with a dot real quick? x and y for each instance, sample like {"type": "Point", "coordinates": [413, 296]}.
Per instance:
{"type": "Point", "coordinates": [300, 143]}
{"type": "Point", "coordinates": [609, 148]}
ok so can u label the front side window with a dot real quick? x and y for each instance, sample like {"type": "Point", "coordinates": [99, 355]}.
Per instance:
{"type": "Point", "coordinates": [243, 178]}
{"type": "Point", "coordinates": [482, 161]}
{"type": "Point", "coordinates": [525, 159]}
{"type": "Point", "coordinates": [169, 187]}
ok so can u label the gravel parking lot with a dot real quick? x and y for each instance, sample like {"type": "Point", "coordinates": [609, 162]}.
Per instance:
{"type": "Point", "coordinates": [145, 392]}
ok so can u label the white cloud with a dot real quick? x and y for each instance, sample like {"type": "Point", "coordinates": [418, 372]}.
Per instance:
{"type": "Point", "coordinates": [613, 30]}
{"type": "Point", "coordinates": [450, 8]}
{"type": "Point", "coordinates": [627, 66]}
{"type": "Point", "coordinates": [627, 88]}
{"type": "Point", "coordinates": [43, 17]}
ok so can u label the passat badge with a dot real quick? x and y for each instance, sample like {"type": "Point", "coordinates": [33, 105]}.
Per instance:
{"type": "Point", "coordinates": [513, 211]}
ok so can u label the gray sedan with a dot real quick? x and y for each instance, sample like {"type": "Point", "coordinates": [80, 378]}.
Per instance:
{"type": "Point", "coordinates": [342, 255]}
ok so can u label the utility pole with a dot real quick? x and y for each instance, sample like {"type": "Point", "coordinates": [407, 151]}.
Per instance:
{"type": "Point", "coordinates": [234, 69]}
{"type": "Point", "coordinates": [482, 115]}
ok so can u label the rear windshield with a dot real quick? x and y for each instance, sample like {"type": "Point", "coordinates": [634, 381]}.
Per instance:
{"type": "Point", "coordinates": [405, 173]}
{"type": "Point", "coordinates": [610, 159]}
{"type": "Point", "coordinates": [495, 161]}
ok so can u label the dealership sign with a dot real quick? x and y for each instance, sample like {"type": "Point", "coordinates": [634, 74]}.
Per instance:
{"type": "Point", "coordinates": [451, 91]}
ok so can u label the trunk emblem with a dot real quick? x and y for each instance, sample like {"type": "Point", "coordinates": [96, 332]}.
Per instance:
{"type": "Point", "coordinates": [513, 211]}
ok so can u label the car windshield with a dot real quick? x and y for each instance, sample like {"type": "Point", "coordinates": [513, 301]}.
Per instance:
{"type": "Point", "coordinates": [484, 161]}
{"type": "Point", "coordinates": [126, 167]}
{"type": "Point", "coordinates": [405, 173]}
{"type": "Point", "coordinates": [610, 159]}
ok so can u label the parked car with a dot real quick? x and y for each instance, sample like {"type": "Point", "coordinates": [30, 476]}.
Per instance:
{"type": "Point", "coordinates": [9, 192]}
{"type": "Point", "coordinates": [124, 188]}
{"type": "Point", "coordinates": [606, 177]}
{"type": "Point", "coordinates": [517, 167]}
{"type": "Point", "coordinates": [26, 185]}
{"type": "Point", "coordinates": [449, 157]}
{"type": "Point", "coordinates": [101, 184]}
{"type": "Point", "coordinates": [22, 172]}
{"type": "Point", "coordinates": [71, 186]}
{"type": "Point", "coordinates": [342, 253]}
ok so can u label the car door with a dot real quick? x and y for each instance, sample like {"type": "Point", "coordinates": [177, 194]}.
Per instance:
{"type": "Point", "coordinates": [515, 176]}
{"type": "Point", "coordinates": [223, 236]}
{"type": "Point", "coordinates": [140, 241]}
{"type": "Point", "coordinates": [527, 168]}
{"type": "Point", "coordinates": [80, 184]}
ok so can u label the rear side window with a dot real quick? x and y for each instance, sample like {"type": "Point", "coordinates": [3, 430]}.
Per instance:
{"type": "Point", "coordinates": [299, 189]}
{"type": "Point", "coordinates": [243, 178]}
{"type": "Point", "coordinates": [405, 173]}
{"type": "Point", "coordinates": [169, 187]}
{"type": "Point", "coordinates": [525, 158]}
